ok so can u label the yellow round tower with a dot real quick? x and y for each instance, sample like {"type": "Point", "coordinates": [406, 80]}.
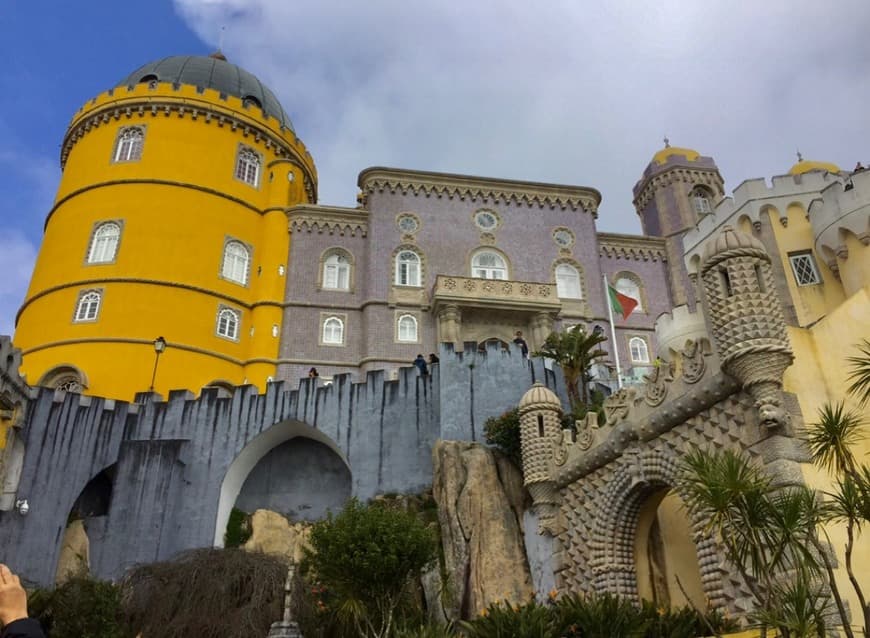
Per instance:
{"type": "Point", "coordinates": [169, 222]}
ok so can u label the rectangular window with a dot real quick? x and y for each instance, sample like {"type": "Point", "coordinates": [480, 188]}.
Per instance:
{"type": "Point", "coordinates": [248, 166]}
{"type": "Point", "coordinates": [128, 144]}
{"type": "Point", "coordinates": [804, 268]}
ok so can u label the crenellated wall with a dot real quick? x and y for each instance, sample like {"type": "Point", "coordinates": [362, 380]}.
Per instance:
{"type": "Point", "coordinates": [176, 467]}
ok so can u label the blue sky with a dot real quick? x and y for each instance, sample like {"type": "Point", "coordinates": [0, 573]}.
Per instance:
{"type": "Point", "coordinates": [572, 92]}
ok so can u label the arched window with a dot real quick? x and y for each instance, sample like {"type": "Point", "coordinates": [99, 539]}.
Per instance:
{"type": "Point", "coordinates": [568, 282]}
{"type": "Point", "coordinates": [66, 378]}
{"type": "Point", "coordinates": [639, 351]}
{"type": "Point", "coordinates": [88, 306]}
{"type": "Point", "coordinates": [128, 144]}
{"type": "Point", "coordinates": [488, 265]}
{"type": "Point", "coordinates": [407, 268]}
{"type": "Point", "coordinates": [104, 243]}
{"type": "Point", "coordinates": [237, 257]}
{"type": "Point", "coordinates": [407, 328]}
{"type": "Point", "coordinates": [228, 323]}
{"type": "Point", "coordinates": [336, 272]}
{"type": "Point", "coordinates": [630, 288]}
{"type": "Point", "coordinates": [248, 166]}
{"type": "Point", "coordinates": [701, 201]}
{"type": "Point", "coordinates": [333, 331]}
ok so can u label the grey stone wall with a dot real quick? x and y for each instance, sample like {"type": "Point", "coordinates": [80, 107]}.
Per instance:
{"type": "Point", "coordinates": [177, 466]}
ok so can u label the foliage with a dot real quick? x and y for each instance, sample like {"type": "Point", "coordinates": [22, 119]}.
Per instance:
{"type": "Point", "coordinates": [430, 630]}
{"type": "Point", "coordinates": [802, 605]}
{"type": "Point", "coordinates": [366, 558]}
{"type": "Point", "coordinates": [831, 438]}
{"type": "Point", "coordinates": [518, 621]}
{"type": "Point", "coordinates": [592, 616]}
{"type": "Point", "coordinates": [238, 529]}
{"type": "Point", "coordinates": [860, 373]}
{"type": "Point", "coordinates": [80, 608]}
{"type": "Point", "coordinates": [208, 593]}
{"type": "Point", "coordinates": [575, 351]}
{"type": "Point", "coordinates": [504, 432]}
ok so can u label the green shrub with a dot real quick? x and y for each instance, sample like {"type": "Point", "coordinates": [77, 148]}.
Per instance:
{"type": "Point", "coordinates": [238, 529]}
{"type": "Point", "coordinates": [80, 608]}
{"type": "Point", "coordinates": [518, 621]}
{"type": "Point", "coordinates": [599, 616]}
{"type": "Point", "coordinates": [365, 559]}
{"type": "Point", "coordinates": [504, 433]}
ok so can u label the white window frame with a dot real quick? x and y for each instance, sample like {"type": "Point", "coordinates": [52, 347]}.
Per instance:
{"type": "Point", "coordinates": [128, 144]}
{"type": "Point", "coordinates": [408, 270]}
{"type": "Point", "coordinates": [630, 288]}
{"type": "Point", "coordinates": [88, 306]}
{"type": "Point", "coordinates": [236, 263]}
{"type": "Point", "coordinates": [701, 201]}
{"type": "Point", "coordinates": [806, 257]}
{"type": "Point", "coordinates": [104, 243]}
{"type": "Point", "coordinates": [247, 168]}
{"type": "Point", "coordinates": [332, 331]}
{"type": "Point", "coordinates": [642, 350]}
{"type": "Point", "coordinates": [411, 335]}
{"type": "Point", "coordinates": [229, 323]}
{"type": "Point", "coordinates": [568, 283]}
{"type": "Point", "coordinates": [336, 271]}
{"type": "Point", "coordinates": [500, 273]}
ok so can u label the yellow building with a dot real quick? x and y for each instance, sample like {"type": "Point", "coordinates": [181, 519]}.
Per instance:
{"type": "Point", "coordinates": [169, 222]}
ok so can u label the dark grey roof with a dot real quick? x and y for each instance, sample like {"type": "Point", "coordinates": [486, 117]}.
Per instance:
{"type": "Point", "coordinates": [211, 73]}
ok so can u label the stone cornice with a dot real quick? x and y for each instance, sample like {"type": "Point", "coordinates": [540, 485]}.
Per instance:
{"type": "Point", "coordinates": [202, 110]}
{"type": "Point", "coordinates": [706, 176]}
{"type": "Point", "coordinates": [616, 245]}
{"type": "Point", "coordinates": [483, 189]}
{"type": "Point", "coordinates": [332, 220]}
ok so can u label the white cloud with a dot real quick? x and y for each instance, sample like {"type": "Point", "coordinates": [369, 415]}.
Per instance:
{"type": "Point", "coordinates": [17, 256]}
{"type": "Point", "coordinates": [564, 92]}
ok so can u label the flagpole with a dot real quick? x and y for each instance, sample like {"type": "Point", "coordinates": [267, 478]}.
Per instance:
{"type": "Point", "coordinates": [613, 332]}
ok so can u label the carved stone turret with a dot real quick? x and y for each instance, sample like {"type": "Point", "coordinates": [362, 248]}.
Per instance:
{"type": "Point", "coordinates": [746, 319]}
{"type": "Point", "coordinates": [540, 426]}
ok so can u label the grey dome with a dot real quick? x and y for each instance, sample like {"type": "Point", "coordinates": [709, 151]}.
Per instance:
{"type": "Point", "coordinates": [211, 72]}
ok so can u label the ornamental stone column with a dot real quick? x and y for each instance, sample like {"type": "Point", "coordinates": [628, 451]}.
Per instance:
{"type": "Point", "coordinates": [449, 325]}
{"type": "Point", "coordinates": [540, 425]}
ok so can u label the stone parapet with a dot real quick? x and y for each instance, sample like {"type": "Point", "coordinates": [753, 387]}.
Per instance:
{"type": "Point", "coordinates": [677, 327]}
{"type": "Point", "coordinates": [486, 293]}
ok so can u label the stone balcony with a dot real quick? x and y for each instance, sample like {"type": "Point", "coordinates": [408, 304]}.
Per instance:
{"type": "Point", "coordinates": [472, 292]}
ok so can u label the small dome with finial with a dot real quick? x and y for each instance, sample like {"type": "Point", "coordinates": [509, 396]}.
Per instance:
{"type": "Point", "coordinates": [539, 396]}
{"type": "Point", "coordinates": [728, 240]}
{"type": "Point", "coordinates": [809, 166]}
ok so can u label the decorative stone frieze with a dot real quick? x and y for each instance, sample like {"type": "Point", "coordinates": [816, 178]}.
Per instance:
{"type": "Point", "coordinates": [328, 219]}
{"type": "Point", "coordinates": [479, 189]}
{"type": "Point", "coordinates": [486, 293]}
{"type": "Point", "coordinates": [632, 247]}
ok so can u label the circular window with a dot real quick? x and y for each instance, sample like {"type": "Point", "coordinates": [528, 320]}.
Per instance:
{"type": "Point", "coordinates": [408, 223]}
{"type": "Point", "coordinates": [485, 219]}
{"type": "Point", "coordinates": [563, 237]}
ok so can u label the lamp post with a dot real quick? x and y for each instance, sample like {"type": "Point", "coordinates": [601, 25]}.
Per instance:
{"type": "Point", "coordinates": [159, 347]}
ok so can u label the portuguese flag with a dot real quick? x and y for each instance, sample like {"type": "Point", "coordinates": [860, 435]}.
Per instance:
{"type": "Point", "coordinates": [623, 304]}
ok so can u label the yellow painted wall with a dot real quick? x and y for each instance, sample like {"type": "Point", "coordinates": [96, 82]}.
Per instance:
{"type": "Point", "coordinates": [177, 206]}
{"type": "Point", "coordinates": [810, 302]}
{"type": "Point", "coordinates": [819, 375]}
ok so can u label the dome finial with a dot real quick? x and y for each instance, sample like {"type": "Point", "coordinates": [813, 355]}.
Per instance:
{"type": "Point", "coordinates": [799, 156]}
{"type": "Point", "coordinates": [667, 142]}
{"type": "Point", "coordinates": [219, 54]}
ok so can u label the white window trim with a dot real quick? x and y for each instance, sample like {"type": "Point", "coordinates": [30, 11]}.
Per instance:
{"type": "Point", "coordinates": [399, 318]}
{"type": "Point", "coordinates": [644, 350]}
{"type": "Point", "coordinates": [576, 280]}
{"type": "Point", "coordinates": [246, 276]}
{"type": "Point", "coordinates": [229, 335]}
{"type": "Point", "coordinates": [327, 317]}
{"type": "Point", "coordinates": [418, 268]}
{"type": "Point", "coordinates": [639, 298]}
{"type": "Point", "coordinates": [92, 246]}
{"type": "Point", "coordinates": [807, 256]}
{"type": "Point", "coordinates": [489, 270]}
{"type": "Point", "coordinates": [134, 151]}
{"type": "Point", "coordinates": [78, 315]}
{"type": "Point", "coordinates": [338, 267]}
{"type": "Point", "coordinates": [243, 176]}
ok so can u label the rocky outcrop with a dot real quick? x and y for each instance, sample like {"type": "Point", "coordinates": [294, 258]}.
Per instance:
{"type": "Point", "coordinates": [74, 558]}
{"type": "Point", "coordinates": [271, 533]}
{"type": "Point", "coordinates": [480, 499]}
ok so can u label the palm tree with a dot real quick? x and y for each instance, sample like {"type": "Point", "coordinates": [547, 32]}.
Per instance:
{"type": "Point", "coordinates": [575, 351]}
{"type": "Point", "coordinates": [831, 440]}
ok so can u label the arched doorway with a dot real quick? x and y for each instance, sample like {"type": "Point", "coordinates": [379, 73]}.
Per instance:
{"type": "Point", "coordinates": [666, 558]}
{"type": "Point", "coordinates": [291, 468]}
